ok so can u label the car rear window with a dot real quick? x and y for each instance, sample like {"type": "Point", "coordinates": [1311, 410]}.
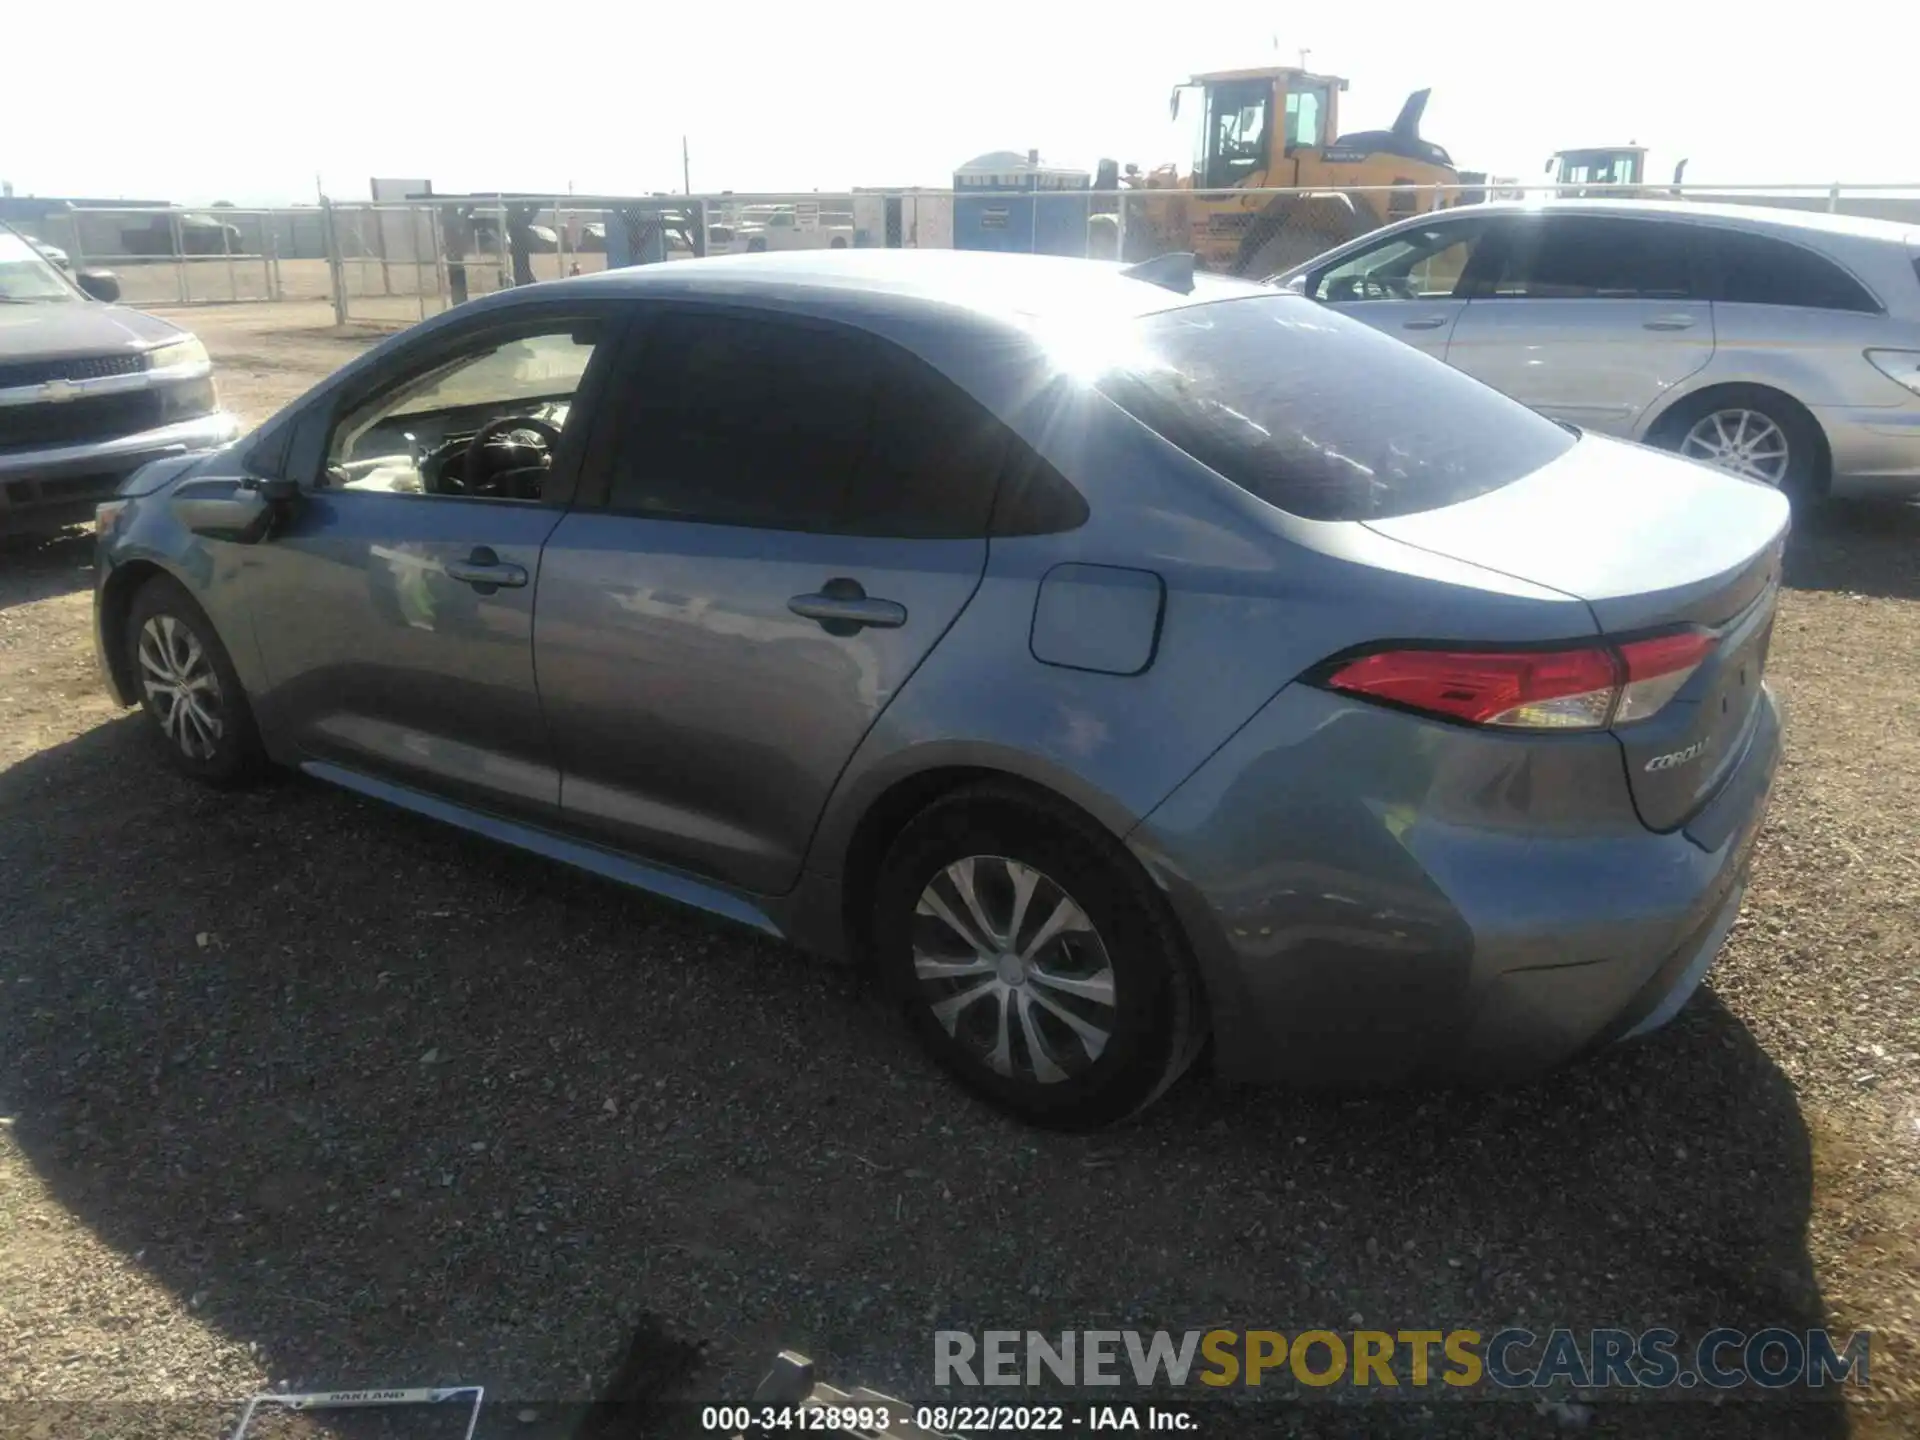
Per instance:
{"type": "Point", "coordinates": [1321, 416]}
{"type": "Point", "coordinates": [1760, 270]}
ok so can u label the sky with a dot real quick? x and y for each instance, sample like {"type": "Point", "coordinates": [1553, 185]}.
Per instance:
{"type": "Point", "coordinates": [263, 102]}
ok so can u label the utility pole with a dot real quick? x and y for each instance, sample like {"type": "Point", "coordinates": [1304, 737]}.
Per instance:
{"type": "Point", "coordinates": [686, 173]}
{"type": "Point", "coordinates": [1303, 58]}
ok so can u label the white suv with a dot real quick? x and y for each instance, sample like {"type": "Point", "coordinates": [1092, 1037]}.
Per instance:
{"type": "Point", "coordinates": [1781, 344]}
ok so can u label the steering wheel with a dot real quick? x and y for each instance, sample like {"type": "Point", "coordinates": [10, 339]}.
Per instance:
{"type": "Point", "coordinates": [1377, 287]}
{"type": "Point", "coordinates": [473, 460]}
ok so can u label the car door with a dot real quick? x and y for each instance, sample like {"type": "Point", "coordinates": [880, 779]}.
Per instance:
{"type": "Point", "coordinates": [394, 613]}
{"type": "Point", "coordinates": [1588, 318]}
{"type": "Point", "coordinates": [1412, 284]}
{"type": "Point", "coordinates": [785, 521]}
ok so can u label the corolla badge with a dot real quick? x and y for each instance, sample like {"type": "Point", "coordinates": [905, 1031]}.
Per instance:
{"type": "Point", "coordinates": [1679, 757]}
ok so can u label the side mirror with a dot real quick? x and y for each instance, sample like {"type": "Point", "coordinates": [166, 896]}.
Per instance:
{"type": "Point", "coordinates": [100, 284]}
{"type": "Point", "coordinates": [1296, 286]}
{"type": "Point", "coordinates": [245, 511]}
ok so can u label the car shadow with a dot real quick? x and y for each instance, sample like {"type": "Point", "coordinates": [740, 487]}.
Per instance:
{"type": "Point", "coordinates": [41, 567]}
{"type": "Point", "coordinates": [398, 1107]}
{"type": "Point", "coordinates": [1857, 548]}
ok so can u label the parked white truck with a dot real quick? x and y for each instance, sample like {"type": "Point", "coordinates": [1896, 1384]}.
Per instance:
{"type": "Point", "coordinates": [800, 226]}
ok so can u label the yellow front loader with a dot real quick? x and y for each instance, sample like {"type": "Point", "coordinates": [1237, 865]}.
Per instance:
{"type": "Point", "coordinates": [1278, 127]}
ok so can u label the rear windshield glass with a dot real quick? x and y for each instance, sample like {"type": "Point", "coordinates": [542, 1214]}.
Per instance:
{"type": "Point", "coordinates": [1321, 416]}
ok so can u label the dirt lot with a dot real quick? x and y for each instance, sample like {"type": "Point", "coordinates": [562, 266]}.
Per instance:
{"type": "Point", "coordinates": [297, 1089]}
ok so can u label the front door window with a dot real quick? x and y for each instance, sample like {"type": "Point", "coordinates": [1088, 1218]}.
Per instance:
{"type": "Point", "coordinates": [1239, 123]}
{"type": "Point", "coordinates": [1425, 263]}
{"type": "Point", "coordinates": [483, 424]}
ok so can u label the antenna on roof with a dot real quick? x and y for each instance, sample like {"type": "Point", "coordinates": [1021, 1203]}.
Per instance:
{"type": "Point", "coordinates": [1172, 271]}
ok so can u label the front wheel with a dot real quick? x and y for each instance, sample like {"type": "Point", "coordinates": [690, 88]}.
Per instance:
{"type": "Point", "coordinates": [195, 709]}
{"type": "Point", "coordinates": [1034, 960]}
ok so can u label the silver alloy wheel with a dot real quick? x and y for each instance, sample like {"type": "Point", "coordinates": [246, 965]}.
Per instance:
{"type": "Point", "coordinates": [1013, 969]}
{"type": "Point", "coordinates": [181, 683]}
{"type": "Point", "coordinates": [1744, 441]}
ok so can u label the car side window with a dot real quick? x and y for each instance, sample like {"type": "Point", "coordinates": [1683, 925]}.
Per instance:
{"type": "Point", "coordinates": [1584, 257]}
{"type": "Point", "coordinates": [1760, 270]}
{"type": "Point", "coordinates": [783, 425]}
{"type": "Point", "coordinates": [1428, 262]}
{"type": "Point", "coordinates": [480, 422]}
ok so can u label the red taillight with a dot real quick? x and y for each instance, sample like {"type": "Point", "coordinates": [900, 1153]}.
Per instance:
{"type": "Point", "coordinates": [1584, 689]}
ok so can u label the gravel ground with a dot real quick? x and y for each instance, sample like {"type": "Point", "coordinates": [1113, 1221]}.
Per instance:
{"type": "Point", "coordinates": [298, 1089]}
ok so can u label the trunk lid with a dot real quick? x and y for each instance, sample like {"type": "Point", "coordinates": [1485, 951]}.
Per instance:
{"type": "Point", "coordinates": [1650, 543]}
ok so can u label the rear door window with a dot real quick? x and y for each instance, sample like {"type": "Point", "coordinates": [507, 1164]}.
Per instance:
{"type": "Point", "coordinates": [1321, 416]}
{"type": "Point", "coordinates": [1585, 257]}
{"type": "Point", "coordinates": [780, 425]}
{"type": "Point", "coordinates": [1760, 270]}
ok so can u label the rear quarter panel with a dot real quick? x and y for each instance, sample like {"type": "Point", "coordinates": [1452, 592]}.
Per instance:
{"type": "Point", "coordinates": [1816, 356]}
{"type": "Point", "coordinates": [1253, 597]}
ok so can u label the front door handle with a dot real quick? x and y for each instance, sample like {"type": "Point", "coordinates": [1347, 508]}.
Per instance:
{"type": "Point", "coordinates": [487, 572]}
{"type": "Point", "coordinates": [1668, 322]}
{"type": "Point", "coordinates": [1424, 322]}
{"type": "Point", "coordinates": [843, 608]}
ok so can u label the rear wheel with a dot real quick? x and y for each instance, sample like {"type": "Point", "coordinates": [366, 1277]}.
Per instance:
{"type": "Point", "coordinates": [1034, 960]}
{"type": "Point", "coordinates": [1752, 432]}
{"type": "Point", "coordinates": [195, 708]}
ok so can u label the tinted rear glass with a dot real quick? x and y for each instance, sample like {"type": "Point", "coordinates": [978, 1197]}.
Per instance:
{"type": "Point", "coordinates": [1760, 270]}
{"type": "Point", "coordinates": [1586, 257]}
{"type": "Point", "coordinates": [1321, 416]}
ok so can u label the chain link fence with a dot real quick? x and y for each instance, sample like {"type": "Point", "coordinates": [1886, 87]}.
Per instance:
{"type": "Point", "coordinates": [391, 264]}
{"type": "Point", "coordinates": [167, 256]}
{"type": "Point", "coordinates": [489, 244]}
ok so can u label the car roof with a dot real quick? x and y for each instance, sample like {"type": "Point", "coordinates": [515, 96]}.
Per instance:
{"type": "Point", "coordinates": [1754, 217]}
{"type": "Point", "coordinates": [1007, 287]}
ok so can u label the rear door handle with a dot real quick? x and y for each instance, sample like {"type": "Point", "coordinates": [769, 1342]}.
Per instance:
{"type": "Point", "coordinates": [487, 572]}
{"type": "Point", "coordinates": [1668, 322]}
{"type": "Point", "coordinates": [1425, 322]}
{"type": "Point", "coordinates": [843, 607]}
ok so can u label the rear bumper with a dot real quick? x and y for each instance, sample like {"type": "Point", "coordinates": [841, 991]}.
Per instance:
{"type": "Point", "coordinates": [1382, 935]}
{"type": "Point", "coordinates": [59, 485]}
{"type": "Point", "coordinates": [1876, 450]}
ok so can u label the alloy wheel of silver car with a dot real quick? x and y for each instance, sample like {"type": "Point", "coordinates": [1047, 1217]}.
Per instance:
{"type": "Point", "coordinates": [1746, 442]}
{"type": "Point", "coordinates": [180, 681]}
{"type": "Point", "coordinates": [1013, 969]}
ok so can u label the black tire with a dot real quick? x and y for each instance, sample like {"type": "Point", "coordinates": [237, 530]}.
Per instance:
{"type": "Point", "coordinates": [1805, 480]}
{"type": "Point", "coordinates": [757, 245]}
{"type": "Point", "coordinates": [1156, 1023]}
{"type": "Point", "coordinates": [230, 753]}
{"type": "Point", "coordinates": [1293, 229]}
{"type": "Point", "coordinates": [838, 242]}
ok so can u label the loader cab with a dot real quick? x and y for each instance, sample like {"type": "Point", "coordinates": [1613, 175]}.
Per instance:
{"type": "Point", "coordinates": [1248, 121]}
{"type": "Point", "coordinates": [1620, 165]}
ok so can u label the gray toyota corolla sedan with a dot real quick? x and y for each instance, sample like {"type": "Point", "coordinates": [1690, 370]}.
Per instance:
{"type": "Point", "coordinates": [1113, 659]}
